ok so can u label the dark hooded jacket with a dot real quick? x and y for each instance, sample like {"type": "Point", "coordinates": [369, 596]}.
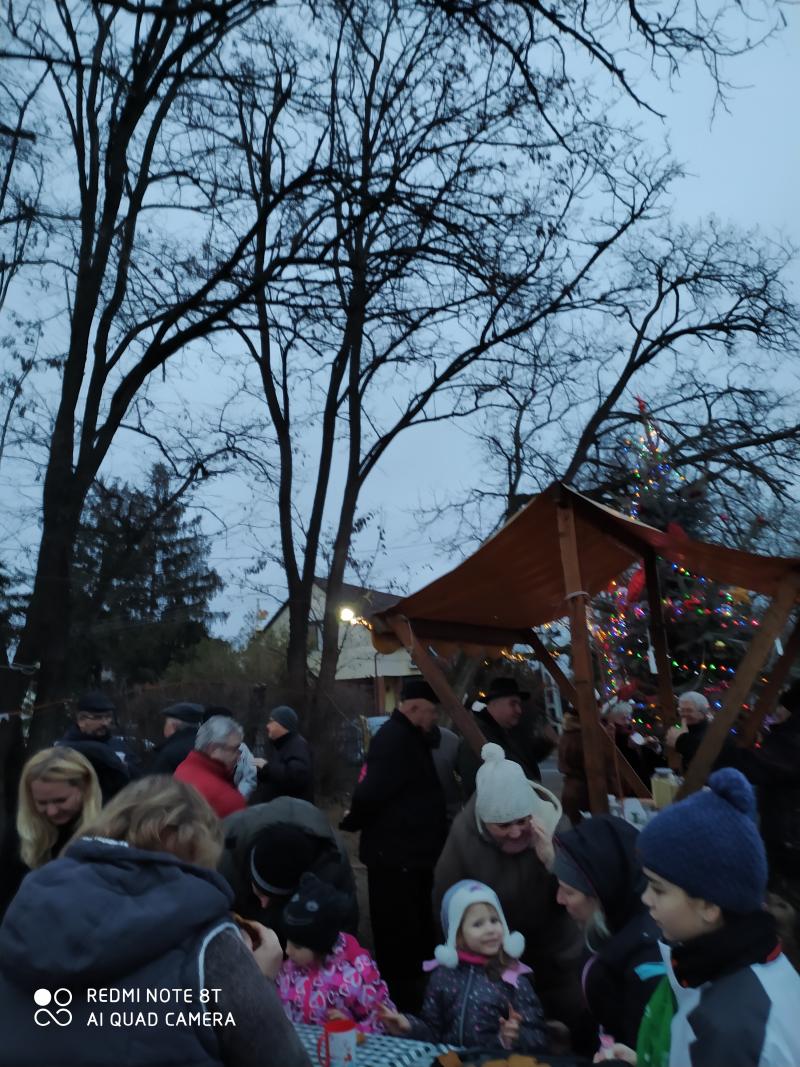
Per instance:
{"type": "Point", "coordinates": [114, 763]}
{"type": "Point", "coordinates": [774, 769]}
{"type": "Point", "coordinates": [108, 916]}
{"type": "Point", "coordinates": [328, 858]}
{"type": "Point", "coordinates": [623, 970]}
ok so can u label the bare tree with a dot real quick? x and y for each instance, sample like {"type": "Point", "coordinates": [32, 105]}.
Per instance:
{"type": "Point", "coordinates": [455, 231]}
{"type": "Point", "coordinates": [153, 248]}
{"type": "Point", "coordinates": [696, 323]}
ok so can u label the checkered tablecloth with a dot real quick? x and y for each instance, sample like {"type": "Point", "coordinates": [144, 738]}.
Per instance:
{"type": "Point", "coordinates": [377, 1050]}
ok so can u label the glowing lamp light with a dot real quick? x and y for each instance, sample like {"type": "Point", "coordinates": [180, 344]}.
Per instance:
{"type": "Point", "coordinates": [347, 614]}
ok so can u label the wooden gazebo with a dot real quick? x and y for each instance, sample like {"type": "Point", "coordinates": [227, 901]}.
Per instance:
{"type": "Point", "coordinates": [544, 564]}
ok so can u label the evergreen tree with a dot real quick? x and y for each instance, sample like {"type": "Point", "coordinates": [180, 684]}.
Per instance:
{"type": "Point", "coordinates": [142, 584]}
{"type": "Point", "coordinates": [709, 626]}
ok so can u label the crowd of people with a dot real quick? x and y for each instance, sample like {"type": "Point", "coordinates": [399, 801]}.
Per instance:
{"type": "Point", "coordinates": [500, 923]}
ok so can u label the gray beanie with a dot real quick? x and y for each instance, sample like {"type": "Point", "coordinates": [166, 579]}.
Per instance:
{"type": "Point", "coordinates": [285, 717]}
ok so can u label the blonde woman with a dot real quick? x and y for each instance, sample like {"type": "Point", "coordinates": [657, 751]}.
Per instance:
{"type": "Point", "coordinates": [58, 792]}
{"type": "Point", "coordinates": [135, 910]}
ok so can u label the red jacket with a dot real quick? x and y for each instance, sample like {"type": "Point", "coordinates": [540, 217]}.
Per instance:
{"type": "Point", "coordinates": [210, 778]}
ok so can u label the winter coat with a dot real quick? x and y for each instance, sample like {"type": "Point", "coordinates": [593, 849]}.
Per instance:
{"type": "Point", "coordinates": [168, 756]}
{"type": "Point", "coordinates": [774, 769]}
{"type": "Point", "coordinates": [520, 744]}
{"type": "Point", "coordinates": [527, 893]}
{"type": "Point", "coordinates": [331, 863]}
{"type": "Point", "coordinates": [398, 803]}
{"type": "Point", "coordinates": [108, 915]}
{"type": "Point", "coordinates": [213, 781]}
{"type": "Point", "coordinates": [747, 1018]}
{"type": "Point", "coordinates": [622, 973]}
{"type": "Point", "coordinates": [289, 771]}
{"type": "Point", "coordinates": [688, 742]}
{"type": "Point", "coordinates": [575, 790]}
{"type": "Point", "coordinates": [347, 980]}
{"type": "Point", "coordinates": [113, 761]}
{"type": "Point", "coordinates": [463, 1006]}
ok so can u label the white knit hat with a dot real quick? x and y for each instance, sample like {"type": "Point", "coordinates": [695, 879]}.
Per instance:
{"type": "Point", "coordinates": [504, 794]}
{"type": "Point", "coordinates": [455, 902]}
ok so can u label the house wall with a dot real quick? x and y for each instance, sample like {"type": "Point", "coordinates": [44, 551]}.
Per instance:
{"type": "Point", "coordinates": [357, 657]}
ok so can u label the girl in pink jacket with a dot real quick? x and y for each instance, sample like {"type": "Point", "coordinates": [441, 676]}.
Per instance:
{"type": "Point", "coordinates": [327, 975]}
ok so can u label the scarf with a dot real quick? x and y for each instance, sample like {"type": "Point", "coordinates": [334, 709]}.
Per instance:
{"type": "Point", "coordinates": [741, 942]}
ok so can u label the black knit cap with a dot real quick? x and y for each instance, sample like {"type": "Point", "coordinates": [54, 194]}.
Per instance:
{"type": "Point", "coordinates": [279, 857]}
{"type": "Point", "coordinates": [315, 915]}
{"type": "Point", "coordinates": [418, 689]}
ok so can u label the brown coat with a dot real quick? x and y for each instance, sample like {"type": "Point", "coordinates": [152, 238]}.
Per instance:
{"type": "Point", "coordinates": [527, 892]}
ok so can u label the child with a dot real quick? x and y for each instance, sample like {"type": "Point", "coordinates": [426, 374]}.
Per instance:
{"type": "Point", "coordinates": [478, 996]}
{"type": "Point", "coordinates": [328, 975]}
{"type": "Point", "coordinates": [730, 996]}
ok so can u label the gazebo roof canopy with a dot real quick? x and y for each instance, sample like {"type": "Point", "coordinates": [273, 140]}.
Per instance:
{"type": "Point", "coordinates": [515, 580]}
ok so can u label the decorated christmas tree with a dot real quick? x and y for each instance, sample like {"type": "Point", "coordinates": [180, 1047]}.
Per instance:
{"type": "Point", "coordinates": [708, 626]}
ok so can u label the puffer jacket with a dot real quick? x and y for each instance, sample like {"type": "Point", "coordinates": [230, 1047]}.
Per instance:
{"type": "Point", "coordinates": [746, 1018]}
{"type": "Point", "coordinates": [330, 863]}
{"type": "Point", "coordinates": [347, 980]}
{"type": "Point", "coordinates": [107, 915]}
{"type": "Point", "coordinates": [463, 1006]}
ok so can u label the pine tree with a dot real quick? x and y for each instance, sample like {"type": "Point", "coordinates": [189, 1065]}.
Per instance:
{"type": "Point", "coordinates": [142, 584]}
{"type": "Point", "coordinates": [709, 626]}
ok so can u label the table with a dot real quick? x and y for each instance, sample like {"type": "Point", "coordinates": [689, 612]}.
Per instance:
{"type": "Point", "coordinates": [378, 1050]}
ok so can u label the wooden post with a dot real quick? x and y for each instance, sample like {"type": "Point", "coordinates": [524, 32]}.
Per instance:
{"type": "Point", "coordinates": [576, 598]}
{"type": "Point", "coordinates": [434, 676]}
{"type": "Point", "coordinates": [769, 694]}
{"type": "Point", "coordinates": [658, 636]}
{"type": "Point", "coordinates": [628, 775]}
{"type": "Point", "coordinates": [771, 625]}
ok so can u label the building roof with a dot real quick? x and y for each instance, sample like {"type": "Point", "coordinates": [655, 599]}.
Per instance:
{"type": "Point", "coordinates": [362, 600]}
{"type": "Point", "coordinates": [515, 580]}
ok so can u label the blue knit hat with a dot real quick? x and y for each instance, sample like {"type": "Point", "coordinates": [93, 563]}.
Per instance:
{"type": "Point", "coordinates": [285, 717]}
{"type": "Point", "coordinates": [709, 845]}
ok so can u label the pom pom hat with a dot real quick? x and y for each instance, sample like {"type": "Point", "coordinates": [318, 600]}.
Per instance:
{"type": "Point", "coordinates": [709, 845]}
{"type": "Point", "coordinates": [503, 793]}
{"type": "Point", "coordinates": [455, 902]}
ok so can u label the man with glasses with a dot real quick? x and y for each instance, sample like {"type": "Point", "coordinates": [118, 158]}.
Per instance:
{"type": "Point", "coordinates": [210, 767]}
{"type": "Point", "coordinates": [91, 734]}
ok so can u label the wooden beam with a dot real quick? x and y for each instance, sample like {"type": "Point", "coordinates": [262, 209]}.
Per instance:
{"type": "Point", "coordinates": [577, 598]}
{"type": "Point", "coordinates": [658, 636]}
{"type": "Point", "coordinates": [768, 696]}
{"type": "Point", "coordinates": [771, 625]}
{"type": "Point", "coordinates": [435, 677]}
{"type": "Point", "coordinates": [545, 657]}
{"type": "Point", "coordinates": [465, 633]}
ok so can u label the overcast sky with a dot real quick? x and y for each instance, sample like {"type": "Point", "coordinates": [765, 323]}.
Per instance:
{"type": "Point", "coordinates": [742, 167]}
